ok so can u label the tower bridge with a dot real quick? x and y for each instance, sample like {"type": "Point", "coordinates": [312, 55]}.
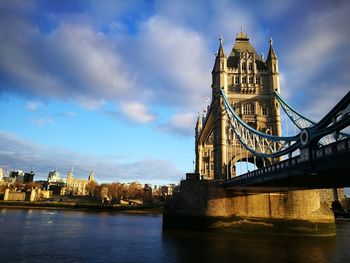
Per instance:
{"type": "Point", "coordinates": [243, 123]}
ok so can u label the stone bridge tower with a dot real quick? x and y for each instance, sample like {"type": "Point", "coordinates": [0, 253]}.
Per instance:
{"type": "Point", "coordinates": [249, 82]}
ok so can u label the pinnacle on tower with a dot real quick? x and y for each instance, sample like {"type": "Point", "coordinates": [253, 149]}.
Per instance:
{"type": "Point", "coordinates": [241, 36]}
{"type": "Point", "coordinates": [199, 123]}
{"type": "Point", "coordinates": [221, 52]}
{"type": "Point", "coordinates": [272, 54]}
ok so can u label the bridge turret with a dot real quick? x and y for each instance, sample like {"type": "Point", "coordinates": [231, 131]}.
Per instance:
{"type": "Point", "coordinates": [219, 82]}
{"type": "Point", "coordinates": [272, 65]}
{"type": "Point", "coordinates": [219, 72]}
{"type": "Point", "coordinates": [274, 85]}
{"type": "Point", "coordinates": [198, 146]}
{"type": "Point", "coordinates": [198, 125]}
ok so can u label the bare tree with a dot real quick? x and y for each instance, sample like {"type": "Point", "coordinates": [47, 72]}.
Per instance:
{"type": "Point", "coordinates": [92, 188]}
{"type": "Point", "coordinates": [135, 191]}
{"type": "Point", "coordinates": [116, 191]}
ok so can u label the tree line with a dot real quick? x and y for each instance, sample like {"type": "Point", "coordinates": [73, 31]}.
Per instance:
{"type": "Point", "coordinates": [115, 192]}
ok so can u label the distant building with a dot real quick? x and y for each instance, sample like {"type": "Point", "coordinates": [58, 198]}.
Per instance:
{"type": "Point", "coordinates": [54, 177]}
{"type": "Point", "coordinates": [16, 176]}
{"type": "Point", "coordinates": [55, 183]}
{"type": "Point", "coordinates": [78, 186]}
{"type": "Point", "coordinates": [32, 195]}
{"type": "Point", "coordinates": [28, 177]}
{"type": "Point", "coordinates": [171, 189]}
{"type": "Point", "coordinates": [21, 177]}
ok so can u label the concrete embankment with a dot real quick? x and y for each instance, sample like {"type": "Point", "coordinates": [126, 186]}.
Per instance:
{"type": "Point", "coordinates": [209, 205]}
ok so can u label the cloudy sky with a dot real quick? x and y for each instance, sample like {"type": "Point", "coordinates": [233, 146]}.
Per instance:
{"type": "Point", "coordinates": [115, 86]}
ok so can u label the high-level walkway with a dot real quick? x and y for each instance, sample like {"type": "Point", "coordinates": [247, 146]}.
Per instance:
{"type": "Point", "coordinates": [320, 164]}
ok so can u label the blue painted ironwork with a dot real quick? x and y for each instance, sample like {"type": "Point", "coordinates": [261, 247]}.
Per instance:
{"type": "Point", "coordinates": [258, 143]}
{"type": "Point", "coordinates": [271, 146]}
{"type": "Point", "coordinates": [303, 122]}
{"type": "Point", "coordinates": [336, 120]}
{"type": "Point", "coordinates": [297, 118]}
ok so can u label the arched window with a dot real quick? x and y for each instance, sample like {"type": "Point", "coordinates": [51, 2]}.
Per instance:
{"type": "Point", "coordinates": [248, 109]}
{"type": "Point", "coordinates": [244, 66]}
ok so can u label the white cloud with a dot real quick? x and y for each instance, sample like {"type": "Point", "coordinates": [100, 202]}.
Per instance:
{"type": "Point", "coordinates": [324, 100]}
{"type": "Point", "coordinates": [315, 65]}
{"type": "Point", "coordinates": [136, 111]}
{"type": "Point", "coordinates": [180, 60]}
{"type": "Point", "coordinates": [180, 124]}
{"type": "Point", "coordinates": [41, 121]}
{"type": "Point", "coordinates": [310, 55]}
{"type": "Point", "coordinates": [33, 105]}
{"type": "Point", "coordinates": [69, 114]}
{"type": "Point", "coordinates": [18, 153]}
{"type": "Point", "coordinates": [163, 57]}
{"type": "Point", "coordinates": [72, 62]}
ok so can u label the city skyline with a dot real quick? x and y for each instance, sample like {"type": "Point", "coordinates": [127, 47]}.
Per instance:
{"type": "Point", "coordinates": [115, 87]}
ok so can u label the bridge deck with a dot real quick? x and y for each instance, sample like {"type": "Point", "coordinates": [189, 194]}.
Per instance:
{"type": "Point", "coordinates": [325, 167]}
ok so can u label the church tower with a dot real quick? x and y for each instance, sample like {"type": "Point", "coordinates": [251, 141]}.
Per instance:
{"type": "Point", "coordinates": [249, 83]}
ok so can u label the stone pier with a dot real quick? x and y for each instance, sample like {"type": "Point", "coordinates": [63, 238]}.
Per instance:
{"type": "Point", "coordinates": [208, 205]}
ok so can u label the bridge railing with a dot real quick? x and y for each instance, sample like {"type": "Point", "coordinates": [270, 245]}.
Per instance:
{"type": "Point", "coordinates": [315, 154]}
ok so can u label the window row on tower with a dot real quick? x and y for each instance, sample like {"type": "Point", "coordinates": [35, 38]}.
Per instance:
{"type": "Point", "coordinates": [244, 66]}
{"type": "Point", "coordinates": [247, 79]}
{"type": "Point", "coordinates": [249, 109]}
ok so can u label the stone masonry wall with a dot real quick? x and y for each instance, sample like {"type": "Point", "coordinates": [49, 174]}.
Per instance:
{"type": "Point", "coordinates": [208, 198]}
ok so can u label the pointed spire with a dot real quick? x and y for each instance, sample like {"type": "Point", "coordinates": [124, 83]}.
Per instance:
{"type": "Point", "coordinates": [271, 42]}
{"type": "Point", "coordinates": [221, 52]}
{"type": "Point", "coordinates": [198, 124]}
{"type": "Point", "coordinates": [272, 53]}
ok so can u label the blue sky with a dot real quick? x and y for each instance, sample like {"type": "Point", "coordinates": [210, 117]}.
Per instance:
{"type": "Point", "coordinates": [115, 86]}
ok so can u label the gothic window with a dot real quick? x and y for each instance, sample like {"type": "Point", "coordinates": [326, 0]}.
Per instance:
{"type": "Point", "coordinates": [244, 66]}
{"type": "Point", "coordinates": [274, 67]}
{"type": "Point", "coordinates": [244, 80]}
{"type": "Point", "coordinates": [236, 80]}
{"type": "Point", "coordinates": [251, 80]}
{"type": "Point", "coordinates": [264, 111]}
{"type": "Point", "coordinates": [250, 66]}
{"type": "Point", "coordinates": [212, 167]}
{"type": "Point", "coordinates": [257, 80]}
{"type": "Point", "coordinates": [248, 109]}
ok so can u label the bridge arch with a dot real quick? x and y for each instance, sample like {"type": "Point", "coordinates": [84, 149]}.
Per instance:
{"type": "Point", "coordinates": [237, 164]}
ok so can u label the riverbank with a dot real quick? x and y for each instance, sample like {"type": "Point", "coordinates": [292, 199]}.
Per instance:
{"type": "Point", "coordinates": [154, 209]}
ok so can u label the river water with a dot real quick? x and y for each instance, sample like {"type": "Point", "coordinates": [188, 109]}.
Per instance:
{"type": "Point", "coordinates": [29, 235]}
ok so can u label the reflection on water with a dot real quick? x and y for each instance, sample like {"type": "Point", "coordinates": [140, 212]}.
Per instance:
{"type": "Point", "coordinates": [69, 236]}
